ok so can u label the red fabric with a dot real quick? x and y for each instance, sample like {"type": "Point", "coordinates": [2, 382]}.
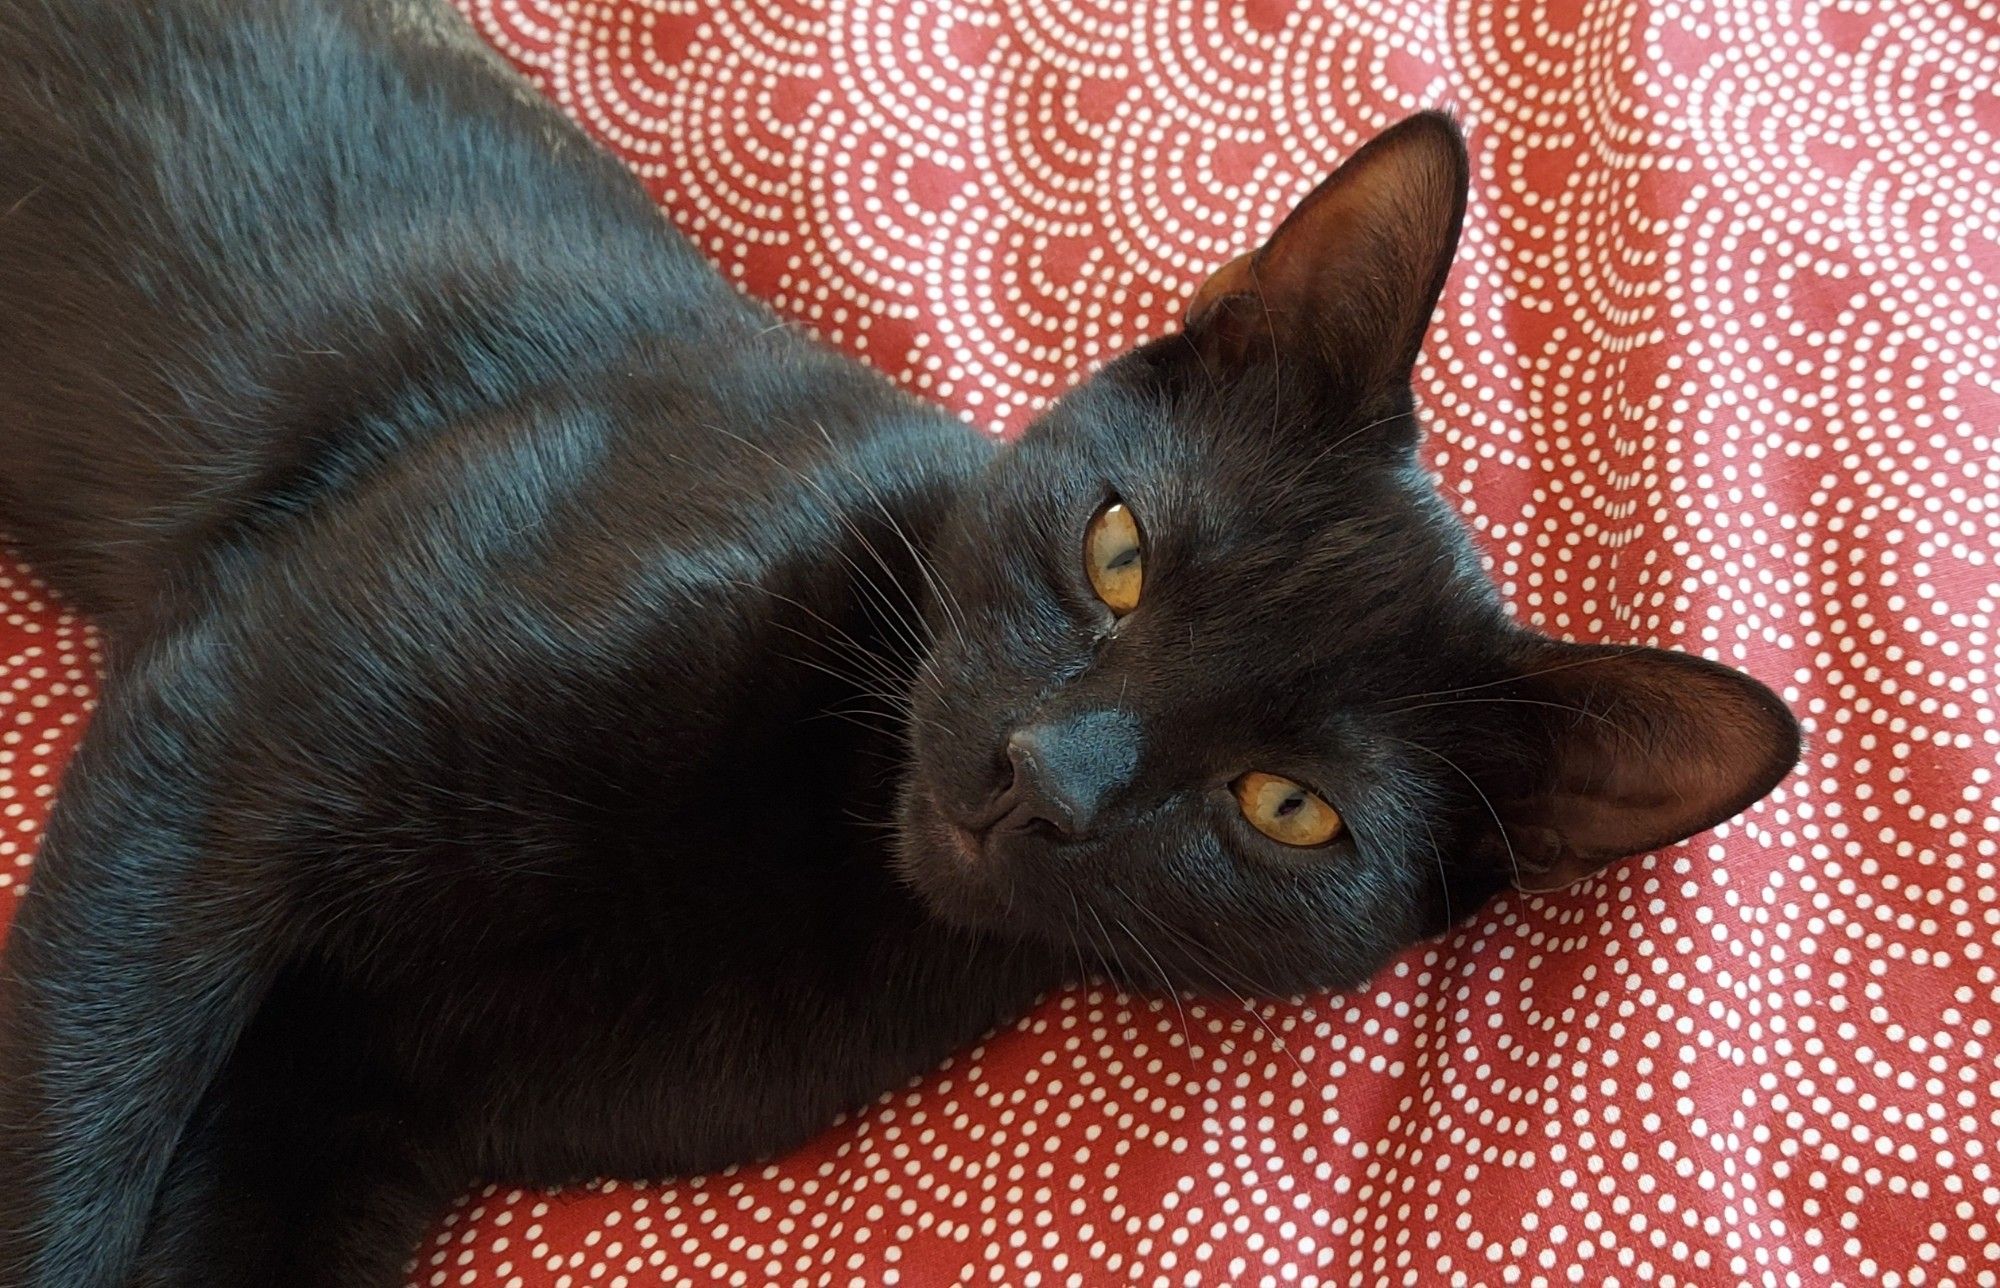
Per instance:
{"type": "Point", "coordinates": [1717, 369]}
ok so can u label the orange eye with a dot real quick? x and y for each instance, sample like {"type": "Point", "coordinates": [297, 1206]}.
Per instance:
{"type": "Point", "coordinates": [1285, 811]}
{"type": "Point", "coordinates": [1115, 558]}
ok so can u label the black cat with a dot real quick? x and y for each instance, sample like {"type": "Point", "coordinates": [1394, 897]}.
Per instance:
{"type": "Point", "coordinates": [560, 722]}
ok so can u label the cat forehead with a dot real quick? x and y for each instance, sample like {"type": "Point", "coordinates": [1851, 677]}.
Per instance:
{"type": "Point", "coordinates": [1311, 457]}
{"type": "Point", "coordinates": [1315, 539]}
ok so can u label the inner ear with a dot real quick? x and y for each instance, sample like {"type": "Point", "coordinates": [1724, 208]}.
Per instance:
{"type": "Point", "coordinates": [1629, 749]}
{"type": "Point", "coordinates": [1348, 281]}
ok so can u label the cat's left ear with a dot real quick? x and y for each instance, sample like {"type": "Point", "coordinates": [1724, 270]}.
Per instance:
{"type": "Point", "coordinates": [1625, 750]}
{"type": "Point", "coordinates": [1347, 283]}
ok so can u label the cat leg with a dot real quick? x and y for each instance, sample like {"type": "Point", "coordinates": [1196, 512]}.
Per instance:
{"type": "Point", "coordinates": [245, 1208]}
{"type": "Point", "coordinates": [285, 1178]}
{"type": "Point", "coordinates": [138, 956]}
{"type": "Point", "coordinates": [223, 1209]}
{"type": "Point", "coordinates": [367, 1224]}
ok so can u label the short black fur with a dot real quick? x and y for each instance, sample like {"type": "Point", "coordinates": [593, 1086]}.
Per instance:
{"type": "Point", "coordinates": [555, 712]}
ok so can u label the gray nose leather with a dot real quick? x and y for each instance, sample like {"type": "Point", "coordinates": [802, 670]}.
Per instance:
{"type": "Point", "coordinates": [1066, 770]}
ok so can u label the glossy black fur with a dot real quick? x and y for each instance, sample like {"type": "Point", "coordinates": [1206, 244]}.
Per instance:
{"type": "Point", "coordinates": [544, 689]}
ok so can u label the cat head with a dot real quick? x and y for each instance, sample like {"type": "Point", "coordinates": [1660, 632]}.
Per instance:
{"type": "Point", "coordinates": [1222, 697]}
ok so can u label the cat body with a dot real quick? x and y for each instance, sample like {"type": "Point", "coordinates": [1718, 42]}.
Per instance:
{"type": "Point", "coordinates": [449, 521]}
{"type": "Point", "coordinates": [559, 722]}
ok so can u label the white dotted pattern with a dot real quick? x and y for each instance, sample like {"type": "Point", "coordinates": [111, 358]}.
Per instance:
{"type": "Point", "coordinates": [48, 675]}
{"type": "Point", "coordinates": [1718, 368]}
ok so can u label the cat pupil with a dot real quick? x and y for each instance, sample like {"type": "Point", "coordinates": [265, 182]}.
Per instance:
{"type": "Point", "coordinates": [1291, 805]}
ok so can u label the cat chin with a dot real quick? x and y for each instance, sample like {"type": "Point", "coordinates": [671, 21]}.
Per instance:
{"type": "Point", "coordinates": [944, 866]}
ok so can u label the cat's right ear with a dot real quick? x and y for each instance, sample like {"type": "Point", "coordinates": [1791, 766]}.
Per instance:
{"type": "Point", "coordinates": [1346, 285]}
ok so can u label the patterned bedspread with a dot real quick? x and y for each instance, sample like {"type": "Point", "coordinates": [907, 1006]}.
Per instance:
{"type": "Point", "coordinates": [1719, 368]}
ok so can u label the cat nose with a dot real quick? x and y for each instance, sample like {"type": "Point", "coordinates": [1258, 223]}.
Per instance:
{"type": "Point", "coordinates": [1066, 770]}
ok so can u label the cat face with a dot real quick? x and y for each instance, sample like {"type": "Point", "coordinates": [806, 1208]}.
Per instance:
{"type": "Point", "coordinates": [1221, 698]}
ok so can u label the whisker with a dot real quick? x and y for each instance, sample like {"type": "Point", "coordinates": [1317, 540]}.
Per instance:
{"type": "Point", "coordinates": [1104, 967]}
{"type": "Point", "coordinates": [1444, 882]}
{"type": "Point", "coordinates": [913, 632]}
{"type": "Point", "coordinates": [1166, 982]}
{"type": "Point", "coordinates": [1208, 963]}
{"type": "Point", "coordinates": [823, 669]}
{"type": "Point", "coordinates": [1512, 679]}
{"type": "Point", "coordinates": [946, 600]}
{"type": "Point", "coordinates": [1483, 799]}
{"type": "Point", "coordinates": [1529, 702]}
{"type": "Point", "coordinates": [860, 652]}
{"type": "Point", "coordinates": [1071, 926]}
{"type": "Point", "coordinates": [1299, 474]}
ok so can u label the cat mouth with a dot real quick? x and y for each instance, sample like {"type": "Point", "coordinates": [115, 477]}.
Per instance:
{"type": "Point", "coordinates": [968, 846]}
{"type": "Point", "coordinates": [949, 865]}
